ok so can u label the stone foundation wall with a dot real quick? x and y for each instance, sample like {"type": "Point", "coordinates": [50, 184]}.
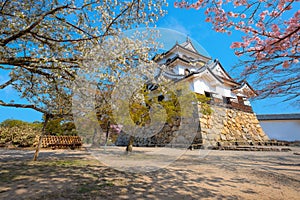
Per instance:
{"type": "Point", "coordinates": [223, 127]}
{"type": "Point", "coordinates": [180, 132]}
{"type": "Point", "coordinates": [162, 138]}
{"type": "Point", "coordinates": [230, 127]}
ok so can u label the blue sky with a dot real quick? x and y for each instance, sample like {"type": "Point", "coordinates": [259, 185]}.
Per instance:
{"type": "Point", "coordinates": [191, 23]}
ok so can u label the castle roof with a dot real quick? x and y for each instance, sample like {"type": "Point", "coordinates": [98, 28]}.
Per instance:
{"type": "Point", "coordinates": [245, 88]}
{"type": "Point", "coordinates": [188, 48]}
{"type": "Point", "coordinates": [291, 116]}
{"type": "Point", "coordinates": [185, 54]}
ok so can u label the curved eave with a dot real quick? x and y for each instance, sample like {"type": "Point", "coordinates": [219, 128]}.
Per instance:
{"type": "Point", "coordinates": [175, 59]}
{"type": "Point", "coordinates": [242, 86]}
{"type": "Point", "coordinates": [172, 76]}
{"type": "Point", "coordinates": [229, 81]}
{"type": "Point", "coordinates": [201, 71]}
{"type": "Point", "coordinates": [187, 43]}
{"type": "Point", "coordinates": [217, 62]}
{"type": "Point", "coordinates": [196, 54]}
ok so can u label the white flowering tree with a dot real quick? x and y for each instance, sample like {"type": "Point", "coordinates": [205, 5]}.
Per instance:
{"type": "Point", "coordinates": [42, 44]}
{"type": "Point", "coordinates": [119, 67]}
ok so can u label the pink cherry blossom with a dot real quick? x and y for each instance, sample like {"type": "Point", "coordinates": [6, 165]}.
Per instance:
{"type": "Point", "coordinates": [271, 37]}
{"type": "Point", "coordinates": [285, 64]}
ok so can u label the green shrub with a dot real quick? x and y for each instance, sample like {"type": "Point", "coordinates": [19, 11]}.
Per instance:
{"type": "Point", "coordinates": [23, 136]}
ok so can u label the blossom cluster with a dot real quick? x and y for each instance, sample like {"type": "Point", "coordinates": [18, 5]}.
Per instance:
{"type": "Point", "coordinates": [269, 48]}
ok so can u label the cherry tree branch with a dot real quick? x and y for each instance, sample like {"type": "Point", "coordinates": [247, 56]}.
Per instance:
{"type": "Point", "coordinates": [32, 26]}
{"type": "Point", "coordinates": [7, 83]}
{"type": "Point", "coordinates": [16, 105]}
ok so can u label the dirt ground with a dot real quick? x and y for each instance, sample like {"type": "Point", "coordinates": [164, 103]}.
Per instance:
{"type": "Point", "coordinates": [68, 174]}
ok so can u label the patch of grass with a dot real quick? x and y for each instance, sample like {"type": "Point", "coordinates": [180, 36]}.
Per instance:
{"type": "Point", "coordinates": [6, 178]}
{"type": "Point", "coordinates": [65, 163]}
{"type": "Point", "coordinates": [107, 183]}
{"type": "Point", "coordinates": [85, 189]}
{"type": "Point", "coordinates": [90, 188]}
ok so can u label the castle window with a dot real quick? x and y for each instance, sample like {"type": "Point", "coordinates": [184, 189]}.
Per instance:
{"type": "Point", "coordinates": [160, 98]}
{"type": "Point", "coordinates": [208, 94]}
{"type": "Point", "coordinates": [226, 100]}
{"type": "Point", "coordinates": [240, 100]}
{"type": "Point", "coordinates": [186, 72]}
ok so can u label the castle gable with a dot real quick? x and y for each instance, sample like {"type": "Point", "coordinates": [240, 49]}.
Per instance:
{"type": "Point", "coordinates": [244, 89]}
{"type": "Point", "coordinates": [219, 70]}
{"type": "Point", "coordinates": [186, 51]}
{"type": "Point", "coordinates": [188, 45]}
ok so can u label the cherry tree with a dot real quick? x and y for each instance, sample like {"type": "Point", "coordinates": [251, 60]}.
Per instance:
{"type": "Point", "coordinates": [119, 67]}
{"type": "Point", "coordinates": [42, 44]}
{"type": "Point", "coordinates": [269, 48]}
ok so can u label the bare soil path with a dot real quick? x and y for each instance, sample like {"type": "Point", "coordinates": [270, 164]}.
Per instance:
{"type": "Point", "coordinates": [67, 174]}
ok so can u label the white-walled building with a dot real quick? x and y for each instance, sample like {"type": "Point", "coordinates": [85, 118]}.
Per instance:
{"type": "Point", "coordinates": [206, 76]}
{"type": "Point", "coordinates": [281, 126]}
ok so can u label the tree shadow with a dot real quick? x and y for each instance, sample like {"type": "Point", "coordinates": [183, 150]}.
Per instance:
{"type": "Point", "coordinates": [76, 175]}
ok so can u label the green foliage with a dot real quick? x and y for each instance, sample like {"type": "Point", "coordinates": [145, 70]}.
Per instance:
{"type": "Point", "coordinates": [54, 127]}
{"type": "Point", "coordinates": [139, 110]}
{"type": "Point", "coordinates": [203, 101]}
{"type": "Point", "coordinates": [59, 127]}
{"type": "Point", "coordinates": [18, 133]}
{"type": "Point", "coordinates": [141, 102]}
{"type": "Point", "coordinates": [23, 134]}
{"type": "Point", "coordinates": [9, 123]}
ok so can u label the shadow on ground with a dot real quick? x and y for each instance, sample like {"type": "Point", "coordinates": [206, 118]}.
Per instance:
{"type": "Point", "coordinates": [76, 175]}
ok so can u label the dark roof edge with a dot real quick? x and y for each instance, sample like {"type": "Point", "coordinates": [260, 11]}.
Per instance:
{"type": "Point", "coordinates": [202, 69]}
{"type": "Point", "coordinates": [266, 117]}
{"type": "Point", "coordinates": [241, 84]}
{"type": "Point", "coordinates": [216, 61]}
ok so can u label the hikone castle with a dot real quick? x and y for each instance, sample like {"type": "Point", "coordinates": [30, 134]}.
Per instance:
{"type": "Point", "coordinates": [230, 99]}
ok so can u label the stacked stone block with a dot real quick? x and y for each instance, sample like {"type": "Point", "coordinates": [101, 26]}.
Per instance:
{"type": "Point", "coordinates": [230, 127]}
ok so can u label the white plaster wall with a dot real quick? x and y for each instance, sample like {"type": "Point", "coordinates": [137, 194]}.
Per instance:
{"type": "Point", "coordinates": [181, 70]}
{"type": "Point", "coordinates": [191, 85]}
{"type": "Point", "coordinates": [225, 91]}
{"type": "Point", "coordinates": [282, 129]}
{"type": "Point", "coordinates": [201, 85]}
{"type": "Point", "coordinates": [218, 71]}
{"type": "Point", "coordinates": [247, 103]}
{"type": "Point", "coordinates": [176, 70]}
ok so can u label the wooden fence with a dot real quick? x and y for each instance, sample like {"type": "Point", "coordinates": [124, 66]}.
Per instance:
{"type": "Point", "coordinates": [60, 142]}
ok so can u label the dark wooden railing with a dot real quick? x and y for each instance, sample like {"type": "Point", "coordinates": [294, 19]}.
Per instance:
{"type": "Point", "coordinates": [241, 107]}
{"type": "Point", "coordinates": [231, 105]}
{"type": "Point", "coordinates": [61, 142]}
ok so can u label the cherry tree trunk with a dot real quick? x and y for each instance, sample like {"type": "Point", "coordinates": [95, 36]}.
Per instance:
{"type": "Point", "coordinates": [37, 150]}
